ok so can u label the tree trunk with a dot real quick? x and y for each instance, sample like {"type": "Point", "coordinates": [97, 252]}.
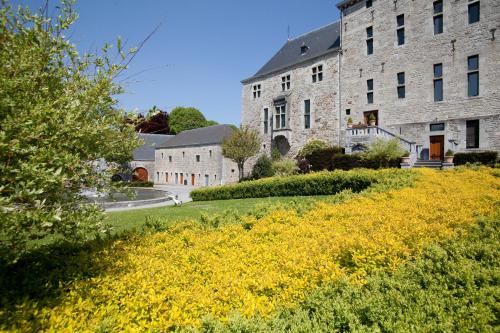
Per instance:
{"type": "Point", "coordinates": [240, 170]}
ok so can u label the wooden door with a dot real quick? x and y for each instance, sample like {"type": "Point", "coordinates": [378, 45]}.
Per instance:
{"type": "Point", "coordinates": [437, 147]}
{"type": "Point", "coordinates": [192, 179]}
{"type": "Point", "coordinates": [140, 174]}
{"type": "Point", "coordinates": [182, 179]}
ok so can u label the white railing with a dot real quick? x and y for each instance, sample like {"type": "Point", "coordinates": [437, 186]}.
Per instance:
{"type": "Point", "coordinates": [372, 132]}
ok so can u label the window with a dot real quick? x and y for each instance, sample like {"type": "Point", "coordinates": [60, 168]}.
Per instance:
{"type": "Point", "coordinates": [266, 120]}
{"type": "Point", "coordinates": [401, 85]}
{"type": "Point", "coordinates": [317, 74]}
{"type": "Point", "coordinates": [157, 176]}
{"type": "Point", "coordinates": [280, 116]}
{"type": "Point", "coordinates": [437, 127]}
{"type": "Point", "coordinates": [438, 82]}
{"type": "Point", "coordinates": [183, 154]}
{"type": "Point", "coordinates": [473, 12]}
{"type": "Point", "coordinates": [369, 3]}
{"type": "Point", "coordinates": [285, 82]}
{"type": "Point", "coordinates": [256, 91]}
{"type": "Point", "coordinates": [472, 134]}
{"type": "Point", "coordinates": [170, 159]}
{"type": "Point", "coordinates": [210, 153]}
{"type": "Point", "coordinates": [401, 29]}
{"type": "Point", "coordinates": [162, 156]}
{"type": "Point", "coordinates": [369, 40]}
{"type": "Point", "coordinates": [369, 94]}
{"type": "Point", "coordinates": [197, 158]}
{"type": "Point", "coordinates": [438, 17]}
{"type": "Point", "coordinates": [307, 114]}
{"type": "Point", "coordinates": [473, 75]}
{"type": "Point", "coordinates": [348, 112]}
{"type": "Point", "coordinates": [304, 49]}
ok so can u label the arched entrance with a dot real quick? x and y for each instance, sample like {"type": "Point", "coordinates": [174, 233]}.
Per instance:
{"type": "Point", "coordinates": [281, 143]}
{"type": "Point", "coordinates": [140, 174]}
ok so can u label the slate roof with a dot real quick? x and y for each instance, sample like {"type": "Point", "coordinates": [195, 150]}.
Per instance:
{"type": "Point", "coordinates": [146, 152]}
{"type": "Point", "coordinates": [319, 42]}
{"type": "Point", "coordinates": [199, 137]}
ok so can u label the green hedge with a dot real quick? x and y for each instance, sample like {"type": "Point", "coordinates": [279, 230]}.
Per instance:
{"type": "Point", "coordinates": [322, 183]}
{"type": "Point", "coordinates": [485, 158]}
{"type": "Point", "coordinates": [139, 184]}
{"type": "Point", "coordinates": [334, 159]}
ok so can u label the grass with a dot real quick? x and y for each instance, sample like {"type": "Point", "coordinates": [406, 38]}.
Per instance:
{"type": "Point", "coordinates": [128, 220]}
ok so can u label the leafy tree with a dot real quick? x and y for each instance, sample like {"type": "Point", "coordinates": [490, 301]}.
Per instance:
{"type": "Point", "coordinates": [211, 123]}
{"type": "Point", "coordinates": [57, 119]}
{"type": "Point", "coordinates": [182, 119]}
{"type": "Point", "coordinates": [240, 146]}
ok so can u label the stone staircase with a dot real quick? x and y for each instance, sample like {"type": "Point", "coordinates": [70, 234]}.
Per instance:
{"type": "Point", "coordinates": [428, 164]}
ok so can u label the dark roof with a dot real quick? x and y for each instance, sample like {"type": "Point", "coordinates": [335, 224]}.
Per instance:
{"type": "Point", "coordinates": [146, 152]}
{"type": "Point", "coordinates": [199, 137]}
{"type": "Point", "coordinates": [319, 42]}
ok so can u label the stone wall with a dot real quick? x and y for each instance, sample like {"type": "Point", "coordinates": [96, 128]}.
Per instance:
{"type": "Point", "coordinates": [148, 165]}
{"type": "Point", "coordinates": [411, 117]}
{"type": "Point", "coordinates": [323, 96]}
{"type": "Point", "coordinates": [181, 163]}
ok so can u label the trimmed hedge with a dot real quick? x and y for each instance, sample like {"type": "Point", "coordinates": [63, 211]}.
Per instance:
{"type": "Point", "coordinates": [348, 162]}
{"type": "Point", "coordinates": [322, 159]}
{"type": "Point", "coordinates": [485, 158]}
{"type": "Point", "coordinates": [322, 183]}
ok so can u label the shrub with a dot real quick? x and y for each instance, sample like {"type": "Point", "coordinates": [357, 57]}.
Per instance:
{"type": "Point", "coordinates": [384, 151]}
{"type": "Point", "coordinates": [322, 159]}
{"type": "Point", "coordinates": [275, 154]}
{"type": "Point", "coordinates": [263, 168]}
{"type": "Point", "coordinates": [303, 165]}
{"type": "Point", "coordinates": [348, 162]}
{"type": "Point", "coordinates": [139, 184]}
{"type": "Point", "coordinates": [485, 158]}
{"type": "Point", "coordinates": [449, 152]}
{"type": "Point", "coordinates": [285, 167]}
{"type": "Point", "coordinates": [311, 146]}
{"type": "Point", "coordinates": [322, 183]}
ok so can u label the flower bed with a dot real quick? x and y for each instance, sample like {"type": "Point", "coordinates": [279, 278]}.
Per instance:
{"type": "Point", "coordinates": [177, 277]}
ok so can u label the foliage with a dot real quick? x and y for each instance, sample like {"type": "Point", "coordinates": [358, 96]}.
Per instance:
{"type": "Point", "coordinates": [431, 294]}
{"type": "Point", "coordinates": [349, 162]}
{"type": "Point", "coordinates": [57, 120]}
{"type": "Point", "coordinates": [155, 122]}
{"type": "Point", "coordinates": [285, 167]}
{"type": "Point", "coordinates": [211, 123]}
{"type": "Point", "coordinates": [263, 168]}
{"type": "Point", "coordinates": [312, 146]}
{"type": "Point", "coordinates": [139, 184]}
{"type": "Point", "coordinates": [173, 279]}
{"type": "Point", "coordinates": [321, 159]}
{"type": "Point", "coordinates": [449, 152]}
{"type": "Point", "coordinates": [186, 118]}
{"type": "Point", "coordinates": [372, 117]}
{"type": "Point", "coordinates": [240, 146]}
{"type": "Point", "coordinates": [384, 151]}
{"type": "Point", "coordinates": [303, 165]}
{"type": "Point", "coordinates": [321, 183]}
{"type": "Point", "coordinates": [486, 158]}
{"type": "Point", "coordinates": [275, 154]}
{"type": "Point", "coordinates": [349, 120]}
{"type": "Point", "coordinates": [406, 154]}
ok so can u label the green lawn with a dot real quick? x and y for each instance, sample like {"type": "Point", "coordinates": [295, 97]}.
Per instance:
{"type": "Point", "coordinates": [131, 219]}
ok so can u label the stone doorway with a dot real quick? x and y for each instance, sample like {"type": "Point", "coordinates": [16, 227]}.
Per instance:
{"type": "Point", "coordinates": [281, 143]}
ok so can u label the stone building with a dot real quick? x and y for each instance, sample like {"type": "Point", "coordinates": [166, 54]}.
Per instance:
{"type": "Point", "coordinates": [427, 71]}
{"type": "Point", "coordinates": [194, 158]}
{"type": "Point", "coordinates": [143, 163]}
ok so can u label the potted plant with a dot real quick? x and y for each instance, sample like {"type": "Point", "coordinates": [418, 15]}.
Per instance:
{"type": "Point", "coordinates": [405, 159]}
{"type": "Point", "coordinates": [349, 122]}
{"type": "Point", "coordinates": [448, 157]}
{"type": "Point", "coordinates": [372, 119]}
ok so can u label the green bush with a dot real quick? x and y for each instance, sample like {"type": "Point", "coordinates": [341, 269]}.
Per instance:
{"type": "Point", "coordinates": [321, 159]}
{"type": "Point", "coordinates": [285, 167]}
{"type": "Point", "coordinates": [384, 151]}
{"type": "Point", "coordinates": [348, 162]}
{"type": "Point", "coordinates": [312, 146]}
{"type": "Point", "coordinates": [485, 158]}
{"type": "Point", "coordinates": [139, 184]}
{"type": "Point", "coordinates": [451, 287]}
{"type": "Point", "coordinates": [263, 168]}
{"type": "Point", "coordinates": [322, 183]}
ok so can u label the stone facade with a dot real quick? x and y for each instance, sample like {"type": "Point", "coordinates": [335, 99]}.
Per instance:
{"type": "Point", "coordinates": [194, 166]}
{"type": "Point", "coordinates": [412, 116]}
{"type": "Point", "coordinates": [346, 71]}
{"type": "Point", "coordinates": [324, 122]}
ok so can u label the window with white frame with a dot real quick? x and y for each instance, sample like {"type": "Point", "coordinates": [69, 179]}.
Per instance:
{"type": "Point", "coordinates": [317, 74]}
{"type": "Point", "coordinates": [285, 82]}
{"type": "Point", "coordinates": [256, 90]}
{"type": "Point", "coordinates": [280, 116]}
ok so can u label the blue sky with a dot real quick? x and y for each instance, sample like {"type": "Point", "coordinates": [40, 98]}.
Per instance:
{"type": "Point", "coordinates": [202, 50]}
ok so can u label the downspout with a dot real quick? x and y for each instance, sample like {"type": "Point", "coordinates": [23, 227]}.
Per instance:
{"type": "Point", "coordinates": [339, 91]}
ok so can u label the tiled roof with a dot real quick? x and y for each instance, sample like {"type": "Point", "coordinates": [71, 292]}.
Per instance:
{"type": "Point", "coordinates": [317, 43]}
{"type": "Point", "coordinates": [199, 137]}
{"type": "Point", "coordinates": [146, 152]}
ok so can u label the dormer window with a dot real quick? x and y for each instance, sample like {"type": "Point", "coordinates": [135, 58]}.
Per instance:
{"type": "Point", "coordinates": [304, 49]}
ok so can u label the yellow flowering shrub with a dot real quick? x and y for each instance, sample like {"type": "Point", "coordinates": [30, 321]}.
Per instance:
{"type": "Point", "coordinates": [175, 278]}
